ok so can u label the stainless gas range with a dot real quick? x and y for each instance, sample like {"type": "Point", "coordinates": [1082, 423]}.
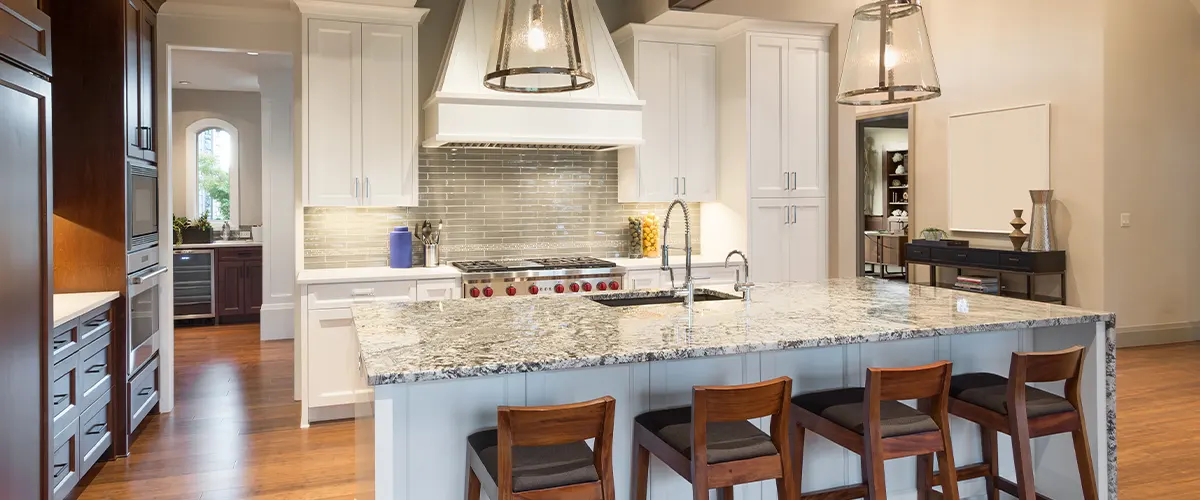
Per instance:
{"type": "Point", "coordinates": [557, 275]}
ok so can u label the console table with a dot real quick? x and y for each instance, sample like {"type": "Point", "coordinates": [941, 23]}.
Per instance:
{"type": "Point", "coordinates": [1031, 265]}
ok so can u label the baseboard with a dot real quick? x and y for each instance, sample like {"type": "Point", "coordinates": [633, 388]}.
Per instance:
{"type": "Point", "coordinates": [1170, 333]}
{"type": "Point", "coordinates": [277, 322]}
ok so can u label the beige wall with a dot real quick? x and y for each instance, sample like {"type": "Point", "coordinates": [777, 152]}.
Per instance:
{"type": "Point", "coordinates": [242, 110]}
{"type": "Point", "coordinates": [1152, 121]}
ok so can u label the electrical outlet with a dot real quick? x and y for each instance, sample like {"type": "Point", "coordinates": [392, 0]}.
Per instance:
{"type": "Point", "coordinates": [1125, 220]}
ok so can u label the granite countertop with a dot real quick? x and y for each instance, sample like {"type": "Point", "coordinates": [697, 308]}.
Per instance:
{"type": "Point", "coordinates": [218, 244]}
{"type": "Point", "coordinates": [414, 342]}
{"type": "Point", "coordinates": [363, 274]}
{"type": "Point", "coordinates": [68, 306]}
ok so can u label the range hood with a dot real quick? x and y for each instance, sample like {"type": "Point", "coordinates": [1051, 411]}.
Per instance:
{"type": "Point", "coordinates": [462, 112]}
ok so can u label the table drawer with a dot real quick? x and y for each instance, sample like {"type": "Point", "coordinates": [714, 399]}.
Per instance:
{"type": "Point", "coordinates": [64, 461]}
{"type": "Point", "coordinates": [95, 431]}
{"type": "Point", "coordinates": [95, 323]}
{"type": "Point", "coordinates": [342, 295]}
{"type": "Point", "coordinates": [951, 255]}
{"type": "Point", "coordinates": [918, 253]}
{"type": "Point", "coordinates": [64, 394]}
{"type": "Point", "coordinates": [95, 369]}
{"type": "Point", "coordinates": [143, 394]}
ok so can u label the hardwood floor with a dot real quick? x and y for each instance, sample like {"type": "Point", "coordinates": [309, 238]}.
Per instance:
{"type": "Point", "coordinates": [235, 431]}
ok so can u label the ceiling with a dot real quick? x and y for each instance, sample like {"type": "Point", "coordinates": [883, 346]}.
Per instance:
{"type": "Point", "coordinates": [213, 70]}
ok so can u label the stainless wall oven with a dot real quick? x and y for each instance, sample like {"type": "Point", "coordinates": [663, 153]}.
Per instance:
{"type": "Point", "coordinates": [141, 207]}
{"type": "Point", "coordinates": [145, 311]}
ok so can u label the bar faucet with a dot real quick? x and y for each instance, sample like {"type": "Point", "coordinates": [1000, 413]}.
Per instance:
{"type": "Point", "coordinates": [688, 290]}
{"type": "Point", "coordinates": [739, 285]}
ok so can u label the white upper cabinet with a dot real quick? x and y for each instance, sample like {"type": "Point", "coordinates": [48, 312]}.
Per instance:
{"type": "Point", "coordinates": [674, 71]}
{"type": "Point", "coordinates": [360, 101]}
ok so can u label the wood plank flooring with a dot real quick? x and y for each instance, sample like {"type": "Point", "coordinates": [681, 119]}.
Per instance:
{"type": "Point", "coordinates": [235, 431]}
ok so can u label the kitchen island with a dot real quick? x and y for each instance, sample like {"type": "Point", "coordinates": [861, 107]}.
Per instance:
{"type": "Point", "coordinates": [440, 369]}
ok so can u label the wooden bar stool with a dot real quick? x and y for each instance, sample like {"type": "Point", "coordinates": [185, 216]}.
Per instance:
{"type": "Point", "coordinates": [985, 398]}
{"type": "Point", "coordinates": [540, 453]}
{"type": "Point", "coordinates": [725, 451]}
{"type": "Point", "coordinates": [873, 423]}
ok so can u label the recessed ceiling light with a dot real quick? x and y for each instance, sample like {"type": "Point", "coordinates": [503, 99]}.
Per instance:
{"type": "Point", "coordinates": [252, 53]}
{"type": "Point", "coordinates": [184, 82]}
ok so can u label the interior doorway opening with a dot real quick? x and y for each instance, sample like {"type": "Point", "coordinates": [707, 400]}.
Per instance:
{"type": "Point", "coordinates": [886, 191]}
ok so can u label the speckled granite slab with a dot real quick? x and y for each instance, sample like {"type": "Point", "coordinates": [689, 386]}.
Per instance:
{"type": "Point", "coordinates": [414, 342]}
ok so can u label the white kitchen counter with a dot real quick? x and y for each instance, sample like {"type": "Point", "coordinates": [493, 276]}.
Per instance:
{"type": "Point", "coordinates": [361, 274]}
{"type": "Point", "coordinates": [218, 244]}
{"type": "Point", "coordinates": [68, 306]}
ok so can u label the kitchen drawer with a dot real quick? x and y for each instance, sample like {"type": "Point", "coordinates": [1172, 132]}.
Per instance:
{"type": "Point", "coordinates": [64, 394]}
{"type": "Point", "coordinates": [95, 431]}
{"type": "Point", "coordinates": [64, 461]}
{"type": "Point", "coordinates": [342, 295]}
{"type": "Point", "coordinates": [644, 280]}
{"type": "Point", "coordinates": [95, 370]}
{"type": "Point", "coordinates": [94, 324]}
{"type": "Point", "coordinates": [706, 276]}
{"type": "Point", "coordinates": [64, 341]}
{"type": "Point", "coordinates": [143, 393]}
{"type": "Point", "coordinates": [438, 290]}
{"type": "Point", "coordinates": [239, 253]}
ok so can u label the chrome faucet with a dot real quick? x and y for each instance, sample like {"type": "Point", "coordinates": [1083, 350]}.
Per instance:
{"type": "Point", "coordinates": [688, 290]}
{"type": "Point", "coordinates": [739, 285]}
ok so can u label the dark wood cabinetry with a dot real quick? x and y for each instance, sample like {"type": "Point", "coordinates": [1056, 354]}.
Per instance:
{"type": "Point", "coordinates": [239, 283]}
{"type": "Point", "coordinates": [25, 35]}
{"type": "Point", "coordinates": [140, 24]}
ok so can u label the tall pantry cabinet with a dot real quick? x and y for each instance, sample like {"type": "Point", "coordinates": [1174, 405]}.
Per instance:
{"type": "Point", "coordinates": [774, 157]}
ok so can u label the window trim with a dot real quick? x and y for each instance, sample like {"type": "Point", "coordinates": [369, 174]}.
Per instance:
{"type": "Point", "coordinates": [191, 175]}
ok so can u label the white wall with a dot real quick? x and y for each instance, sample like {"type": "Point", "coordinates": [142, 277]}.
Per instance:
{"type": "Point", "coordinates": [240, 109]}
{"type": "Point", "coordinates": [279, 205]}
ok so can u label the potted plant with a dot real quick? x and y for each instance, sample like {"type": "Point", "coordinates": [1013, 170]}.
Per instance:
{"type": "Point", "coordinates": [932, 234]}
{"type": "Point", "coordinates": [191, 232]}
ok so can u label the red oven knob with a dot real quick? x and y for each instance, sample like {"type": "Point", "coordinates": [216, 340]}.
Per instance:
{"type": "Point", "coordinates": [602, 286]}
{"type": "Point", "coordinates": [488, 292]}
{"type": "Point", "coordinates": [574, 287]}
{"type": "Point", "coordinates": [587, 287]}
{"type": "Point", "coordinates": [614, 285]}
{"type": "Point", "coordinates": [511, 290]}
{"type": "Point", "coordinates": [474, 292]}
{"type": "Point", "coordinates": [559, 288]}
{"type": "Point", "coordinates": [533, 289]}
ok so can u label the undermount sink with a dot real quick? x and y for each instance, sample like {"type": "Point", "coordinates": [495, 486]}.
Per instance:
{"type": "Point", "coordinates": [659, 297]}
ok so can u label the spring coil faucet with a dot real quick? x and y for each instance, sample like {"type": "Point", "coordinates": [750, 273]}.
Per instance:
{"type": "Point", "coordinates": [688, 290]}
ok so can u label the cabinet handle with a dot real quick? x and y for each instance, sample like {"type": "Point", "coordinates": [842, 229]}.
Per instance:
{"type": "Point", "coordinates": [145, 391]}
{"type": "Point", "coordinates": [96, 429]}
{"type": "Point", "coordinates": [356, 188]}
{"type": "Point", "coordinates": [787, 185]}
{"type": "Point", "coordinates": [363, 292]}
{"type": "Point", "coordinates": [137, 138]}
{"type": "Point", "coordinates": [1014, 259]}
{"type": "Point", "coordinates": [786, 220]}
{"type": "Point", "coordinates": [95, 368]}
{"type": "Point", "coordinates": [676, 186]}
{"type": "Point", "coordinates": [795, 183]}
{"type": "Point", "coordinates": [795, 211]}
{"type": "Point", "coordinates": [60, 343]}
{"type": "Point", "coordinates": [685, 186]}
{"type": "Point", "coordinates": [59, 398]}
{"type": "Point", "coordinates": [59, 469]}
{"type": "Point", "coordinates": [367, 188]}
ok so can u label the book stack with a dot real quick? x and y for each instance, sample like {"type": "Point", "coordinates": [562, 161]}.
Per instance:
{"type": "Point", "coordinates": [981, 284]}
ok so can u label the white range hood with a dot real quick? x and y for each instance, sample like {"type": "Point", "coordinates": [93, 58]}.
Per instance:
{"type": "Point", "coordinates": [463, 113]}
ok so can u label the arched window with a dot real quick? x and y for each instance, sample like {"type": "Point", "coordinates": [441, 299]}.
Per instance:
{"type": "Point", "coordinates": [212, 171]}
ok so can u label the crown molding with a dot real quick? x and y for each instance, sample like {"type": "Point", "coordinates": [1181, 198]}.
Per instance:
{"type": "Point", "coordinates": [822, 30]}
{"type": "Point", "coordinates": [227, 12]}
{"type": "Point", "coordinates": [360, 11]}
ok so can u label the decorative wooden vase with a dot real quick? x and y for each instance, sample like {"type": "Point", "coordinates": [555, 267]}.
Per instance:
{"type": "Point", "coordinates": [1017, 237]}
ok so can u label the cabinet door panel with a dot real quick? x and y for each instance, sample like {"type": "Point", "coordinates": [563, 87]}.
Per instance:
{"type": "Point", "coordinates": [389, 156]}
{"type": "Point", "coordinates": [333, 358]}
{"type": "Point", "coordinates": [230, 287]}
{"type": "Point", "coordinates": [658, 157]}
{"type": "Point", "coordinates": [808, 243]}
{"type": "Point", "coordinates": [133, 44]}
{"type": "Point", "coordinates": [807, 118]}
{"type": "Point", "coordinates": [768, 117]}
{"type": "Point", "coordinates": [147, 32]}
{"type": "Point", "coordinates": [25, 34]}
{"type": "Point", "coordinates": [770, 224]}
{"type": "Point", "coordinates": [697, 85]}
{"type": "Point", "coordinates": [252, 287]}
{"type": "Point", "coordinates": [334, 176]}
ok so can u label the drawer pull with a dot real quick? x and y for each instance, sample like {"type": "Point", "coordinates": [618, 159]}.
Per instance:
{"type": "Point", "coordinates": [96, 429]}
{"type": "Point", "coordinates": [59, 398]}
{"type": "Point", "coordinates": [59, 469]}
{"type": "Point", "coordinates": [59, 343]}
{"type": "Point", "coordinates": [962, 255]}
{"type": "Point", "coordinates": [95, 368]}
{"type": "Point", "coordinates": [145, 391]}
{"type": "Point", "coordinates": [98, 320]}
{"type": "Point", "coordinates": [363, 292]}
{"type": "Point", "coordinates": [1014, 259]}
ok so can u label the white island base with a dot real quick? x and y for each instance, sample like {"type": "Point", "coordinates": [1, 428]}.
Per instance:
{"type": "Point", "coordinates": [420, 429]}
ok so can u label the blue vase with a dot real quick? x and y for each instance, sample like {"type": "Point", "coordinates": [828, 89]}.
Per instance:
{"type": "Point", "coordinates": [400, 248]}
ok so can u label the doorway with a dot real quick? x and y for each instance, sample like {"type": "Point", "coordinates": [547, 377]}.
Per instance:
{"type": "Point", "coordinates": [886, 191]}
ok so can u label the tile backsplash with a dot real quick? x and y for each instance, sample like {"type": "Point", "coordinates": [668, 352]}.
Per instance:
{"type": "Point", "coordinates": [496, 204]}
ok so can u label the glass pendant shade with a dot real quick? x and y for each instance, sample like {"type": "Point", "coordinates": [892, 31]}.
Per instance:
{"type": "Point", "coordinates": [540, 48]}
{"type": "Point", "coordinates": [888, 58]}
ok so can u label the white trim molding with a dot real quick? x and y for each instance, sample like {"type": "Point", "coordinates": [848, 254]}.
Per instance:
{"type": "Point", "coordinates": [190, 167]}
{"type": "Point", "coordinates": [1166, 333]}
{"type": "Point", "coordinates": [361, 12]}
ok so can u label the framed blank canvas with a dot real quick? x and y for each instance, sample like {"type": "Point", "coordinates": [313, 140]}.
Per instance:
{"type": "Point", "coordinates": [995, 157]}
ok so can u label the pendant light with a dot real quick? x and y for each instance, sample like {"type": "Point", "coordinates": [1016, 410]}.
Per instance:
{"type": "Point", "coordinates": [540, 48]}
{"type": "Point", "coordinates": [888, 58]}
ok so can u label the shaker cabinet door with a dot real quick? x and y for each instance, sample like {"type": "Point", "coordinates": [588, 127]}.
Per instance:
{"type": "Point", "coordinates": [230, 288]}
{"type": "Point", "coordinates": [333, 377]}
{"type": "Point", "coordinates": [808, 245]}
{"type": "Point", "coordinates": [658, 157]}
{"type": "Point", "coordinates": [697, 89]}
{"type": "Point", "coordinates": [25, 34]}
{"type": "Point", "coordinates": [334, 176]}
{"type": "Point", "coordinates": [389, 153]}
{"type": "Point", "coordinates": [770, 175]}
{"type": "Point", "coordinates": [134, 136]}
{"type": "Point", "coordinates": [808, 118]}
{"type": "Point", "coordinates": [147, 33]}
{"type": "Point", "coordinates": [770, 226]}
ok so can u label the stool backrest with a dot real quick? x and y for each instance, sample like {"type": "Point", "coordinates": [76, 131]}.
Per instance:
{"type": "Point", "coordinates": [1033, 367]}
{"type": "Point", "coordinates": [730, 403]}
{"type": "Point", "coordinates": [918, 382]}
{"type": "Point", "coordinates": [553, 425]}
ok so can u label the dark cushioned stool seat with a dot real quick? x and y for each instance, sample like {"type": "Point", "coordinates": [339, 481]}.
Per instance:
{"type": "Point", "coordinates": [538, 467]}
{"type": "Point", "coordinates": [845, 408]}
{"type": "Point", "coordinates": [990, 391]}
{"type": "Point", "coordinates": [727, 441]}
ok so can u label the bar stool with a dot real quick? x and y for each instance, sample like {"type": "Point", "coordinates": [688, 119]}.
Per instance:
{"type": "Point", "coordinates": [725, 451]}
{"type": "Point", "coordinates": [540, 453]}
{"type": "Point", "coordinates": [873, 423]}
{"type": "Point", "coordinates": [985, 398]}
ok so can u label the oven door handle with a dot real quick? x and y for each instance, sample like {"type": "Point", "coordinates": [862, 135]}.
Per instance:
{"type": "Point", "coordinates": [141, 278]}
